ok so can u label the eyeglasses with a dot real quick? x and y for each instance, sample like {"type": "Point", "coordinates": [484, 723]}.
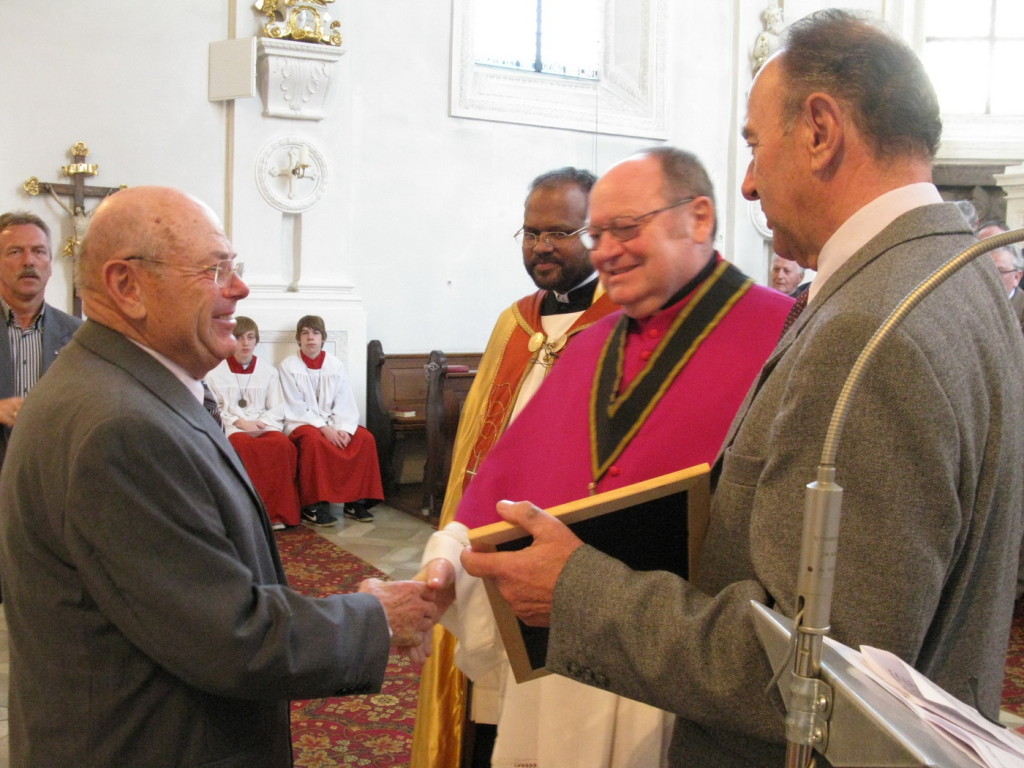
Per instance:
{"type": "Point", "coordinates": [1007, 271]}
{"type": "Point", "coordinates": [222, 271]}
{"type": "Point", "coordinates": [625, 228]}
{"type": "Point", "coordinates": [556, 238]}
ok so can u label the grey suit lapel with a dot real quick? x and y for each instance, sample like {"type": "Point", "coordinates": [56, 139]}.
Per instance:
{"type": "Point", "coordinates": [58, 328]}
{"type": "Point", "coordinates": [151, 374]}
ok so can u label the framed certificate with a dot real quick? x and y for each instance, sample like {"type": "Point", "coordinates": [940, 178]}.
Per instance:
{"type": "Point", "coordinates": [655, 525]}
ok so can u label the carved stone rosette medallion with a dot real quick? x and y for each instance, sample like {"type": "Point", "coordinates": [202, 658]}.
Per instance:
{"type": "Point", "coordinates": [291, 174]}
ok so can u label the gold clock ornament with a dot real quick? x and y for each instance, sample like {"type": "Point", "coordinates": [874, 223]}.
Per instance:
{"type": "Point", "coordinates": [302, 20]}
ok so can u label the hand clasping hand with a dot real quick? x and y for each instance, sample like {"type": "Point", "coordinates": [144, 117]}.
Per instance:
{"type": "Point", "coordinates": [411, 613]}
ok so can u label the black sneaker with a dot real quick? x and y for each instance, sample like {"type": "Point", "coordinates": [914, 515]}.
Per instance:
{"type": "Point", "coordinates": [317, 514]}
{"type": "Point", "coordinates": [358, 512]}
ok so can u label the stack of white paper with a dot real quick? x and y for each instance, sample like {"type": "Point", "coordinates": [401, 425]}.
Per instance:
{"type": "Point", "coordinates": [986, 743]}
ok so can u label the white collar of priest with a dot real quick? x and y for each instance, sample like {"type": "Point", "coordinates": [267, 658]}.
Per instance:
{"type": "Point", "coordinates": [576, 299]}
{"type": "Point", "coordinates": [565, 298]}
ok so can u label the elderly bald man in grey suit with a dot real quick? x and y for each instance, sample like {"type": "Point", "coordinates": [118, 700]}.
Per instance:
{"type": "Point", "coordinates": [149, 619]}
{"type": "Point", "coordinates": [35, 331]}
{"type": "Point", "coordinates": [842, 124]}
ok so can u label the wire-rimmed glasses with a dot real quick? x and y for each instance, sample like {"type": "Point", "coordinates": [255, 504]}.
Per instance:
{"type": "Point", "coordinates": [625, 228]}
{"type": "Point", "coordinates": [553, 238]}
{"type": "Point", "coordinates": [222, 271]}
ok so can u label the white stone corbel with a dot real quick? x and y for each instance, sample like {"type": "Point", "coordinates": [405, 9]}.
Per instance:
{"type": "Point", "coordinates": [295, 77]}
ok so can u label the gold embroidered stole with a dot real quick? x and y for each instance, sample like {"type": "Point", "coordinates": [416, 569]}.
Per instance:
{"type": "Point", "coordinates": [515, 361]}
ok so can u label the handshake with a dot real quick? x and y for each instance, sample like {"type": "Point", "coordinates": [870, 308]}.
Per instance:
{"type": "Point", "coordinates": [525, 578]}
{"type": "Point", "coordinates": [414, 607]}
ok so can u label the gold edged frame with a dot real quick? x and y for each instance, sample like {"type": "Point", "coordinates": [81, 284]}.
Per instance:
{"type": "Point", "coordinates": [599, 520]}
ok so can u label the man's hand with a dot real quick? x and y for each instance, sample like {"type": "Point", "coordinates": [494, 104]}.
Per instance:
{"type": "Point", "coordinates": [411, 613]}
{"type": "Point", "coordinates": [336, 436]}
{"type": "Point", "coordinates": [9, 407]}
{"type": "Point", "coordinates": [439, 576]}
{"type": "Point", "coordinates": [248, 425]}
{"type": "Point", "coordinates": [527, 578]}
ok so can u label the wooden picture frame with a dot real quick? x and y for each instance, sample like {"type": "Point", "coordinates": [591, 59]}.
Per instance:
{"type": "Point", "coordinates": [657, 524]}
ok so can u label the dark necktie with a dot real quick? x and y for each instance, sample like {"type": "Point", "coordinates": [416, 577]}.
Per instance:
{"type": "Point", "coordinates": [210, 404]}
{"type": "Point", "coordinates": [794, 312]}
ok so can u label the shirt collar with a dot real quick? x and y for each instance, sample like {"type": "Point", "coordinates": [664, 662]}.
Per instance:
{"type": "Point", "coordinates": [857, 230]}
{"type": "Point", "coordinates": [8, 312]}
{"type": "Point", "coordinates": [564, 298]}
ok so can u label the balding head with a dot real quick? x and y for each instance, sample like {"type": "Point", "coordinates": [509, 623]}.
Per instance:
{"type": "Point", "coordinates": [652, 224]}
{"type": "Point", "coordinates": [145, 271]}
{"type": "Point", "coordinates": [150, 222]}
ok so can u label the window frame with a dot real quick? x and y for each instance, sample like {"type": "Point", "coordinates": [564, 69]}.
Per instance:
{"type": "Point", "coordinates": [627, 100]}
{"type": "Point", "coordinates": [998, 139]}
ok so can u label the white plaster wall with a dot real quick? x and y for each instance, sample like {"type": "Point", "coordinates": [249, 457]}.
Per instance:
{"type": "Point", "coordinates": [128, 79]}
{"type": "Point", "coordinates": [434, 200]}
{"type": "Point", "coordinates": [412, 243]}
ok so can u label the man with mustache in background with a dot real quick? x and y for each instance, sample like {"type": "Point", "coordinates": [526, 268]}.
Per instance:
{"type": "Point", "coordinates": [35, 330]}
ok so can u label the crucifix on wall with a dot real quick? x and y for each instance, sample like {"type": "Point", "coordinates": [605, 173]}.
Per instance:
{"type": "Point", "coordinates": [78, 191]}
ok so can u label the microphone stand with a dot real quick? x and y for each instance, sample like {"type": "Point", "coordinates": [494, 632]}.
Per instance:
{"type": "Point", "coordinates": [810, 698]}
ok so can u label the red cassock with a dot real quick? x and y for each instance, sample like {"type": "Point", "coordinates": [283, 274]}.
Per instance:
{"type": "Point", "coordinates": [271, 462]}
{"type": "Point", "coordinates": [317, 394]}
{"type": "Point", "coordinates": [329, 473]}
{"type": "Point", "coordinates": [253, 393]}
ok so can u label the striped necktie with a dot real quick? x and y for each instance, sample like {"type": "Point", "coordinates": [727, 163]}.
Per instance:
{"type": "Point", "coordinates": [210, 404]}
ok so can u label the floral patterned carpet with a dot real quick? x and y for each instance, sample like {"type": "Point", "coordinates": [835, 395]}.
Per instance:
{"type": "Point", "coordinates": [376, 730]}
{"type": "Point", "coordinates": [373, 730]}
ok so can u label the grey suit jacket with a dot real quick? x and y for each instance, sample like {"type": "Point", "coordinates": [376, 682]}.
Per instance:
{"type": "Point", "coordinates": [57, 330]}
{"type": "Point", "coordinates": [931, 523]}
{"type": "Point", "coordinates": [149, 620]}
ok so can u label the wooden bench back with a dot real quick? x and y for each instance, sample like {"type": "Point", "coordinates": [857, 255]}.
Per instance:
{"type": "Point", "coordinates": [398, 385]}
{"type": "Point", "coordinates": [448, 381]}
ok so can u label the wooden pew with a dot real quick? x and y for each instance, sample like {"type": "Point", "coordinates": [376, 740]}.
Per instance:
{"type": "Point", "coordinates": [396, 403]}
{"type": "Point", "coordinates": [396, 397]}
{"type": "Point", "coordinates": [448, 383]}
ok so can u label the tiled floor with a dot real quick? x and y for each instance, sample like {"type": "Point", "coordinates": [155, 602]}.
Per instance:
{"type": "Point", "coordinates": [392, 542]}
